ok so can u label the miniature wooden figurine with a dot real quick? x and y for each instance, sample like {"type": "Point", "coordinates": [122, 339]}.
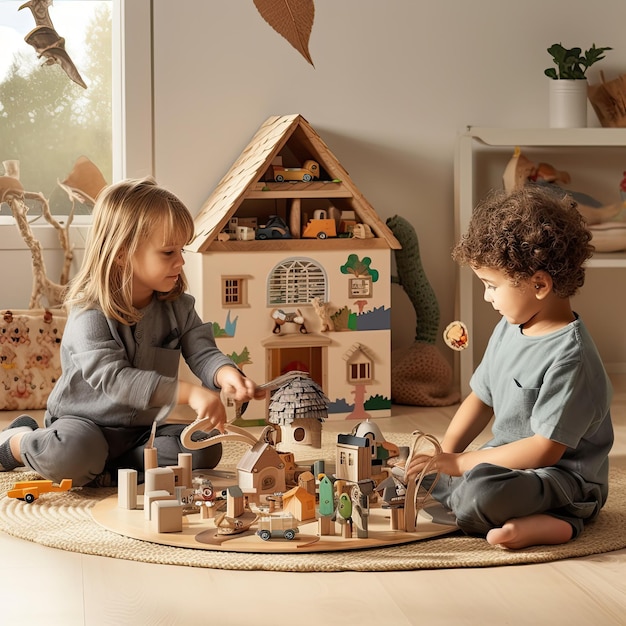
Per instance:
{"type": "Point", "coordinates": [204, 496]}
{"type": "Point", "coordinates": [321, 309]}
{"type": "Point", "coordinates": [344, 515]}
{"type": "Point", "coordinates": [227, 525]}
{"type": "Point", "coordinates": [281, 317]}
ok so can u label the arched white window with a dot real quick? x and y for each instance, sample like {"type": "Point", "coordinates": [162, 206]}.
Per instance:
{"type": "Point", "coordinates": [296, 281]}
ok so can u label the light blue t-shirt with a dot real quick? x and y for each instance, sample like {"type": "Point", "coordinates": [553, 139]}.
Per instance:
{"type": "Point", "coordinates": [555, 386]}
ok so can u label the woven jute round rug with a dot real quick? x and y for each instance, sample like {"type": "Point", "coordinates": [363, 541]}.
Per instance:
{"type": "Point", "coordinates": [64, 521]}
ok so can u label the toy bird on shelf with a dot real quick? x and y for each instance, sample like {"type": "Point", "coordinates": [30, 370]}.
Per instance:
{"type": "Point", "coordinates": [520, 171]}
{"type": "Point", "coordinates": [47, 42]}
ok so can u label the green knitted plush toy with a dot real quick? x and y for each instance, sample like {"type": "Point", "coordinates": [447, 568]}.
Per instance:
{"type": "Point", "coordinates": [420, 375]}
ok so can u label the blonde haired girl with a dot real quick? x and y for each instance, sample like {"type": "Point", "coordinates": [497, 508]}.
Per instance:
{"type": "Point", "coordinates": [129, 322]}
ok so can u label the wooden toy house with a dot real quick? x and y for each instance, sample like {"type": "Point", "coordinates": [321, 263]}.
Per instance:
{"type": "Point", "coordinates": [261, 471]}
{"type": "Point", "coordinates": [310, 250]}
{"type": "Point", "coordinates": [354, 458]}
{"type": "Point", "coordinates": [300, 503]}
{"type": "Point", "coordinates": [298, 408]}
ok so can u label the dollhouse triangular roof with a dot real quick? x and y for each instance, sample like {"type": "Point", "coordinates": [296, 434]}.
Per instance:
{"type": "Point", "coordinates": [245, 174]}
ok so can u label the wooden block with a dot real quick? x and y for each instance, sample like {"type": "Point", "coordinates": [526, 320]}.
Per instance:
{"type": "Point", "coordinates": [152, 496]}
{"type": "Point", "coordinates": [207, 512]}
{"type": "Point", "coordinates": [150, 459]}
{"type": "Point", "coordinates": [166, 516]}
{"type": "Point", "coordinates": [185, 461]}
{"type": "Point", "coordinates": [127, 488]}
{"type": "Point", "coordinates": [160, 478]}
{"type": "Point", "coordinates": [326, 526]}
{"type": "Point", "coordinates": [346, 530]}
{"type": "Point", "coordinates": [178, 475]}
{"type": "Point", "coordinates": [397, 519]}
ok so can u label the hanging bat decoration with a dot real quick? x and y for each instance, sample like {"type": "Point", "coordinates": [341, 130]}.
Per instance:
{"type": "Point", "coordinates": [47, 42]}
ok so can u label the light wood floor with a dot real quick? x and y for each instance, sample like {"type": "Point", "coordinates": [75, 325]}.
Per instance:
{"type": "Point", "coordinates": [46, 586]}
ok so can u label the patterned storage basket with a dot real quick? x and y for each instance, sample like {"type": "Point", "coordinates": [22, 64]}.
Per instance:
{"type": "Point", "coordinates": [30, 356]}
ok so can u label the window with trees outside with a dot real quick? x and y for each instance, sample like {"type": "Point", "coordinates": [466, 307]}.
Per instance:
{"type": "Point", "coordinates": [47, 120]}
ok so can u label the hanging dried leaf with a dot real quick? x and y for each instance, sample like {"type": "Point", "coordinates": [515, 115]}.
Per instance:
{"type": "Point", "coordinates": [293, 19]}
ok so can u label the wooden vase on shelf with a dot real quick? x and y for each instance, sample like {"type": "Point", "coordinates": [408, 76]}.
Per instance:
{"type": "Point", "coordinates": [568, 103]}
{"type": "Point", "coordinates": [608, 100]}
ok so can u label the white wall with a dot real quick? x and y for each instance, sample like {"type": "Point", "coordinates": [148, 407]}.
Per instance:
{"type": "Point", "coordinates": [394, 82]}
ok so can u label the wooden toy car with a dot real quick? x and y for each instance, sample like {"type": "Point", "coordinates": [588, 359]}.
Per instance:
{"type": "Point", "coordinates": [310, 169]}
{"type": "Point", "coordinates": [30, 490]}
{"type": "Point", "coordinates": [283, 525]}
{"type": "Point", "coordinates": [320, 228]}
{"type": "Point", "coordinates": [275, 228]}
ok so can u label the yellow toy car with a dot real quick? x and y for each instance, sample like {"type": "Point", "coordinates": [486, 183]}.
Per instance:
{"type": "Point", "coordinates": [310, 169]}
{"type": "Point", "coordinates": [320, 228]}
{"type": "Point", "coordinates": [30, 490]}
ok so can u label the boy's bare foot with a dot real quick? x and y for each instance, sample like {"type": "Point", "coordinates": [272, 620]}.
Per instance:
{"type": "Point", "coordinates": [533, 530]}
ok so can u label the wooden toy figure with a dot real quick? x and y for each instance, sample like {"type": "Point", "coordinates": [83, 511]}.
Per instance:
{"type": "Point", "coordinates": [326, 505]}
{"type": "Point", "coordinates": [344, 515]}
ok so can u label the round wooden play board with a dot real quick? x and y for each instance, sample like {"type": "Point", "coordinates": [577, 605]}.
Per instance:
{"type": "Point", "coordinates": [202, 534]}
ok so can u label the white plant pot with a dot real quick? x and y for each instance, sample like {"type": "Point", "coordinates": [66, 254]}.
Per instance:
{"type": "Point", "coordinates": [568, 103]}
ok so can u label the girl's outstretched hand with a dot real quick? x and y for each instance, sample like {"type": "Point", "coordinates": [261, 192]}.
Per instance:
{"type": "Point", "coordinates": [236, 386]}
{"type": "Point", "coordinates": [206, 403]}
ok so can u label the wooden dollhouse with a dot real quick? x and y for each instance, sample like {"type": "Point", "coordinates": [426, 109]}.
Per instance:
{"type": "Point", "coordinates": [280, 239]}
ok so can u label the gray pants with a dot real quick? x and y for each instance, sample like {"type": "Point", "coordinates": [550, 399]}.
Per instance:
{"type": "Point", "coordinates": [76, 448]}
{"type": "Point", "coordinates": [488, 496]}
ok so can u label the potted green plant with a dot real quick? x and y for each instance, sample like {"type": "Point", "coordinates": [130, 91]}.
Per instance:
{"type": "Point", "coordinates": [568, 87]}
{"type": "Point", "coordinates": [572, 64]}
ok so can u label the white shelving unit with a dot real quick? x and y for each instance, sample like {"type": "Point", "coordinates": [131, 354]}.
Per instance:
{"type": "Point", "coordinates": [481, 156]}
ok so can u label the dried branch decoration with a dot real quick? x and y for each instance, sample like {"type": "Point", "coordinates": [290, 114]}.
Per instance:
{"type": "Point", "coordinates": [82, 184]}
{"type": "Point", "coordinates": [293, 19]}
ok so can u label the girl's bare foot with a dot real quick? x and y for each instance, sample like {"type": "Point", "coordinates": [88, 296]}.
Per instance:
{"type": "Point", "coordinates": [533, 530]}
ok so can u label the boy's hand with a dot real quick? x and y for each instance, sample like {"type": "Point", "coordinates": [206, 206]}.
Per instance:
{"type": "Point", "coordinates": [445, 462]}
{"type": "Point", "coordinates": [236, 386]}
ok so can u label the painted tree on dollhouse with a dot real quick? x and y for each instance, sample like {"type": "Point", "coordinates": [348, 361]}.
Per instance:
{"type": "Point", "coordinates": [334, 284]}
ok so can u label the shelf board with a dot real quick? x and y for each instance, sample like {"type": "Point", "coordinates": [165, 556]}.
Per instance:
{"type": "Point", "coordinates": [607, 259]}
{"type": "Point", "coordinates": [292, 245]}
{"type": "Point", "coordinates": [557, 137]}
{"type": "Point", "coordinates": [298, 189]}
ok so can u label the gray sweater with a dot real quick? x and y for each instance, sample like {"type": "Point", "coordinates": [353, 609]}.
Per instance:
{"type": "Point", "coordinates": [117, 375]}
